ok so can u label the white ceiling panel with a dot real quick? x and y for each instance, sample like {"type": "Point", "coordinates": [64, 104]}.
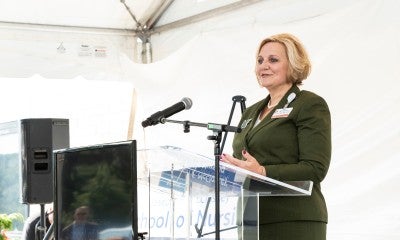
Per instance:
{"type": "Point", "coordinates": [115, 14]}
{"type": "Point", "coordinates": [78, 13]}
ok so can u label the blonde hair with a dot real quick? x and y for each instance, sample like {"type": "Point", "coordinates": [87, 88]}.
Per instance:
{"type": "Point", "coordinates": [299, 62]}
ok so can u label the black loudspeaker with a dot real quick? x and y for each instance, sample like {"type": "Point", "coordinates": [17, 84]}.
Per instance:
{"type": "Point", "coordinates": [39, 137]}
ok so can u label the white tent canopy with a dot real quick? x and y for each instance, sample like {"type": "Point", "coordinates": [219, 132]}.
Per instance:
{"type": "Point", "coordinates": [354, 46]}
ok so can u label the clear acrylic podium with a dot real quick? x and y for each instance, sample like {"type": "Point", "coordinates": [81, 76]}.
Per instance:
{"type": "Point", "coordinates": [176, 195]}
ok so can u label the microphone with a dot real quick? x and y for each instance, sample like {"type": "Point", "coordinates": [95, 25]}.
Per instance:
{"type": "Point", "coordinates": [185, 103]}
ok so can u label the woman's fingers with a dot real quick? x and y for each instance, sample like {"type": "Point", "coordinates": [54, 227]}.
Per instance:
{"type": "Point", "coordinates": [230, 159]}
{"type": "Point", "coordinates": [249, 162]}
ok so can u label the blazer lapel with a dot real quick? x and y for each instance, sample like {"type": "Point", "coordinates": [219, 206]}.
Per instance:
{"type": "Point", "coordinates": [268, 119]}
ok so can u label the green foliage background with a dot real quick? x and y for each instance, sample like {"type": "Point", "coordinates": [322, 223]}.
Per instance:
{"type": "Point", "coordinates": [10, 187]}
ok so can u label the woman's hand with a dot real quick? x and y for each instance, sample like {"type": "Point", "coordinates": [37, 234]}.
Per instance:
{"type": "Point", "coordinates": [250, 163]}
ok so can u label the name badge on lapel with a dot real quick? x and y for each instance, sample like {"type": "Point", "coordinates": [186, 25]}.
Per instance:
{"type": "Point", "coordinates": [285, 111]}
{"type": "Point", "coordinates": [281, 112]}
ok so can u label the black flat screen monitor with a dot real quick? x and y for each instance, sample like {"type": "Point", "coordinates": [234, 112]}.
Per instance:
{"type": "Point", "coordinates": [95, 192]}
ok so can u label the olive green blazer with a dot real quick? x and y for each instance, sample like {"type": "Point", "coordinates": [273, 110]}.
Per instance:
{"type": "Point", "coordinates": [292, 148]}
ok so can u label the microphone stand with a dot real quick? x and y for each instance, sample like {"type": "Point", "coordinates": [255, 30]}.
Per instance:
{"type": "Point", "coordinates": [216, 137]}
{"type": "Point", "coordinates": [200, 230]}
{"type": "Point", "coordinates": [41, 227]}
{"type": "Point", "coordinates": [49, 232]}
{"type": "Point", "coordinates": [235, 100]}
